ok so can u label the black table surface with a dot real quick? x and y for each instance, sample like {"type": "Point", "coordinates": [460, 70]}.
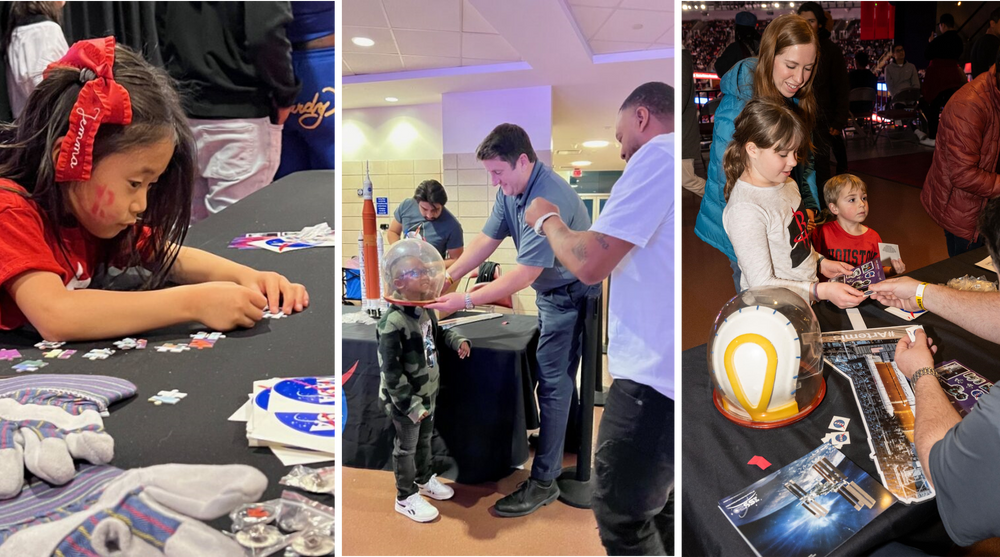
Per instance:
{"type": "Point", "coordinates": [218, 380]}
{"type": "Point", "coordinates": [716, 451]}
{"type": "Point", "coordinates": [484, 407]}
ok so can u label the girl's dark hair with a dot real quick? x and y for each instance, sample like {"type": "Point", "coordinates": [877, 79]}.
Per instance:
{"type": "Point", "coordinates": [431, 191]}
{"type": "Point", "coordinates": [768, 124]}
{"type": "Point", "coordinates": [27, 146]}
{"type": "Point", "coordinates": [21, 12]}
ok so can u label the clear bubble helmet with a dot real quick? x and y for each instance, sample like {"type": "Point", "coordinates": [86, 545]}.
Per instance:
{"type": "Point", "coordinates": [413, 271]}
{"type": "Point", "coordinates": [765, 357]}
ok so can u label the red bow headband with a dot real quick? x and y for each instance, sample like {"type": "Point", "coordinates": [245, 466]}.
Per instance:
{"type": "Point", "coordinates": [101, 100]}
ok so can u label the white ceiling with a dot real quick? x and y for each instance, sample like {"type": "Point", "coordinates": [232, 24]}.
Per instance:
{"type": "Point", "coordinates": [587, 50]}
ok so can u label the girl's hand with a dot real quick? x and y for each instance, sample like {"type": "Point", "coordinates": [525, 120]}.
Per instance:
{"type": "Point", "coordinates": [898, 266]}
{"type": "Point", "coordinates": [222, 306]}
{"type": "Point", "coordinates": [832, 269]}
{"type": "Point", "coordinates": [464, 350]}
{"type": "Point", "coordinates": [840, 294]}
{"type": "Point", "coordinates": [277, 288]}
{"type": "Point", "coordinates": [811, 224]}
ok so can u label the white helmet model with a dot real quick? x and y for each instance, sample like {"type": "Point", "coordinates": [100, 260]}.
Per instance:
{"type": "Point", "coordinates": [765, 345]}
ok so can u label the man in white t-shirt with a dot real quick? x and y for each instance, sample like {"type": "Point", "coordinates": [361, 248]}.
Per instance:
{"type": "Point", "coordinates": [633, 242]}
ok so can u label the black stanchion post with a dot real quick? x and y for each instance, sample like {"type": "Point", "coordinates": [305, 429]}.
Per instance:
{"type": "Point", "coordinates": [574, 482]}
{"type": "Point", "coordinates": [600, 394]}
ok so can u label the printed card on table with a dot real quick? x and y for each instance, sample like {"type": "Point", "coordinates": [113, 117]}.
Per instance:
{"type": "Point", "coordinates": [888, 252]}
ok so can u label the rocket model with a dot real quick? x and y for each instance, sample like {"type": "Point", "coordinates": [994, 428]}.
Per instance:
{"type": "Point", "coordinates": [370, 253]}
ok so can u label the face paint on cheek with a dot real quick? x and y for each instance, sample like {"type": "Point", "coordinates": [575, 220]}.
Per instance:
{"type": "Point", "coordinates": [105, 198]}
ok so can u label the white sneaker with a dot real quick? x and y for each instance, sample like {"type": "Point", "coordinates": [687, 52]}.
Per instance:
{"type": "Point", "coordinates": [436, 490]}
{"type": "Point", "coordinates": [920, 134]}
{"type": "Point", "coordinates": [927, 142]}
{"type": "Point", "coordinates": [416, 508]}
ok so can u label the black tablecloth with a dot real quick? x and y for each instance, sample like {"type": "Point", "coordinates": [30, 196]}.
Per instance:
{"type": "Point", "coordinates": [483, 411]}
{"type": "Point", "coordinates": [716, 451]}
{"type": "Point", "coordinates": [218, 380]}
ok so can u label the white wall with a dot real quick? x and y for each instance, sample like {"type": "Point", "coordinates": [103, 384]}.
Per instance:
{"type": "Point", "coordinates": [392, 133]}
{"type": "Point", "coordinates": [469, 117]}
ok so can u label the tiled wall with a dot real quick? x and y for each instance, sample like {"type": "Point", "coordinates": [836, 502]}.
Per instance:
{"type": "Point", "coordinates": [470, 199]}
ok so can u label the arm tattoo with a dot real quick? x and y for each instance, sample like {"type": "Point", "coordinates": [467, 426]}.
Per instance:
{"type": "Point", "coordinates": [580, 250]}
{"type": "Point", "coordinates": [600, 240]}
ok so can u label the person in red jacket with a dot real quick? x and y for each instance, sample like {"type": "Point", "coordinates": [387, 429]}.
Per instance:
{"type": "Point", "coordinates": [963, 176]}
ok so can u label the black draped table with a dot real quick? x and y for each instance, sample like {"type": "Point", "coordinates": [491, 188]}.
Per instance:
{"type": "Point", "coordinates": [217, 380]}
{"type": "Point", "coordinates": [716, 451]}
{"type": "Point", "coordinates": [484, 409]}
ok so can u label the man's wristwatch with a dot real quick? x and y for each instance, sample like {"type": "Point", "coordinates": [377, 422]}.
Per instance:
{"type": "Point", "coordinates": [541, 220]}
{"type": "Point", "coordinates": [468, 301]}
{"type": "Point", "coordinates": [922, 372]}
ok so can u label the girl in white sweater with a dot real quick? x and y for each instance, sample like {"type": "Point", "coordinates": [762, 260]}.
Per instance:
{"type": "Point", "coordinates": [764, 216]}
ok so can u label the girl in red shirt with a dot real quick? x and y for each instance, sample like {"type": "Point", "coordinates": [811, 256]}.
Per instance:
{"type": "Point", "coordinates": [97, 174]}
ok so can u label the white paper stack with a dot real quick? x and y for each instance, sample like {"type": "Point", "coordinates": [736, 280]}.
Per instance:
{"type": "Point", "coordinates": [294, 417]}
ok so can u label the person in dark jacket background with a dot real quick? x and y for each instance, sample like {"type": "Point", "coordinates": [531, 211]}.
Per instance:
{"type": "Point", "coordinates": [984, 51]}
{"type": "Point", "coordinates": [943, 75]}
{"type": "Point", "coordinates": [831, 87]}
{"type": "Point", "coordinates": [688, 136]}
{"type": "Point", "coordinates": [746, 45]}
{"type": "Point", "coordinates": [234, 64]}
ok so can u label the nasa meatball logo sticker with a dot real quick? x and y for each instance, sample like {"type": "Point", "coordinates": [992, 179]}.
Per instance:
{"type": "Point", "coordinates": [312, 390]}
{"type": "Point", "coordinates": [322, 425]}
{"type": "Point", "coordinates": [839, 424]}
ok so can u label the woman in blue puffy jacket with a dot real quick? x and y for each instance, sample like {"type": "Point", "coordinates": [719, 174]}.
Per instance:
{"type": "Point", "coordinates": [783, 70]}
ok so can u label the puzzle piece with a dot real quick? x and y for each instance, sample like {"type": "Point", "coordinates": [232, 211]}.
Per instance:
{"type": "Point", "coordinates": [201, 343]}
{"type": "Point", "coordinates": [171, 347]}
{"type": "Point", "coordinates": [99, 354]}
{"type": "Point", "coordinates": [30, 365]}
{"type": "Point", "coordinates": [213, 336]}
{"type": "Point", "coordinates": [9, 354]}
{"type": "Point", "coordinates": [269, 315]}
{"type": "Point", "coordinates": [58, 353]}
{"type": "Point", "coordinates": [48, 345]}
{"type": "Point", "coordinates": [131, 344]}
{"type": "Point", "coordinates": [167, 397]}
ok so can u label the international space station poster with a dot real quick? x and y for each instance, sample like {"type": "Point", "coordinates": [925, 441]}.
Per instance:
{"type": "Point", "coordinates": [809, 507]}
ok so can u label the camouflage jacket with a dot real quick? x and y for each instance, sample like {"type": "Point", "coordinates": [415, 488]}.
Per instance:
{"type": "Point", "coordinates": [408, 360]}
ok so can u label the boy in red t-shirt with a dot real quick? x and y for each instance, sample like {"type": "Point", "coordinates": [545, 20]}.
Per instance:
{"type": "Point", "coordinates": [845, 238]}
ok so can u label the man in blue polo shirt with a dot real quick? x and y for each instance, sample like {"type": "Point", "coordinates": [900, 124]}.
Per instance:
{"type": "Point", "coordinates": [561, 298]}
